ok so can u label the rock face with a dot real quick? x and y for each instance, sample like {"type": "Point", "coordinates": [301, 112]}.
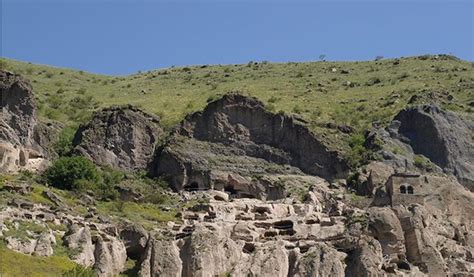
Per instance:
{"type": "Point", "coordinates": [79, 239]}
{"type": "Point", "coordinates": [161, 259]}
{"type": "Point", "coordinates": [110, 256]}
{"type": "Point", "coordinates": [321, 236]}
{"type": "Point", "coordinates": [320, 260]}
{"type": "Point", "coordinates": [24, 141]}
{"type": "Point", "coordinates": [120, 137]}
{"type": "Point", "coordinates": [385, 227]}
{"type": "Point", "coordinates": [235, 138]}
{"type": "Point", "coordinates": [444, 138]}
{"type": "Point", "coordinates": [441, 136]}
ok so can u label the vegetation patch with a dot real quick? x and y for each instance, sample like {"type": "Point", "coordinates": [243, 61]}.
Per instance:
{"type": "Point", "coordinates": [14, 264]}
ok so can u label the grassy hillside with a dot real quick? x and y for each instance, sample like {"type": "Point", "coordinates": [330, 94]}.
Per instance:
{"type": "Point", "coordinates": [352, 93]}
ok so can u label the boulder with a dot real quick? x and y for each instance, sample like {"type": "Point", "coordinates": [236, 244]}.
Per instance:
{"type": "Point", "coordinates": [79, 240]}
{"type": "Point", "coordinates": [44, 246]}
{"type": "Point", "coordinates": [319, 260]}
{"type": "Point", "coordinates": [385, 227]}
{"type": "Point", "coordinates": [269, 259]}
{"type": "Point", "coordinates": [162, 258]}
{"type": "Point", "coordinates": [209, 251]}
{"type": "Point", "coordinates": [26, 246]}
{"type": "Point", "coordinates": [110, 256]}
{"type": "Point", "coordinates": [364, 258]}
{"type": "Point", "coordinates": [119, 137]}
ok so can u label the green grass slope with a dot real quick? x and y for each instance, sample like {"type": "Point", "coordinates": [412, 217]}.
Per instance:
{"type": "Point", "coordinates": [14, 264]}
{"type": "Point", "coordinates": [352, 93]}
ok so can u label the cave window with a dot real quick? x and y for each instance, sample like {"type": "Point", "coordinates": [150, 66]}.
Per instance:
{"type": "Point", "coordinates": [410, 190]}
{"type": "Point", "coordinates": [403, 189]}
{"type": "Point", "coordinates": [193, 186]}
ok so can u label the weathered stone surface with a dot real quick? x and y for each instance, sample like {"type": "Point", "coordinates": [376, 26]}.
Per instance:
{"type": "Point", "coordinates": [162, 258]}
{"type": "Point", "coordinates": [209, 251]}
{"type": "Point", "coordinates": [443, 137]}
{"type": "Point", "coordinates": [364, 258]}
{"type": "Point", "coordinates": [23, 246]}
{"type": "Point", "coordinates": [110, 256]}
{"type": "Point", "coordinates": [44, 246]}
{"type": "Point", "coordinates": [135, 238]}
{"type": "Point", "coordinates": [24, 141]}
{"type": "Point", "coordinates": [319, 260]}
{"type": "Point", "coordinates": [120, 137]}
{"type": "Point", "coordinates": [269, 259]}
{"type": "Point", "coordinates": [385, 227]}
{"type": "Point", "coordinates": [234, 140]}
{"type": "Point", "coordinates": [79, 239]}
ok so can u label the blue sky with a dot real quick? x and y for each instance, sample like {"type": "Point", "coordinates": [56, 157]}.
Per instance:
{"type": "Point", "coordinates": [122, 37]}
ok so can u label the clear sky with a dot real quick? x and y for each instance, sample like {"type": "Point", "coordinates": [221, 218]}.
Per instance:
{"type": "Point", "coordinates": [122, 37]}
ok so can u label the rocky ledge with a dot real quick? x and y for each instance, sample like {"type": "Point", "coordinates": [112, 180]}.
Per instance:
{"type": "Point", "coordinates": [235, 138]}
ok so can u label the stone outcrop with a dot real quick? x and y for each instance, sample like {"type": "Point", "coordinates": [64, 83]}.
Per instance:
{"type": "Point", "coordinates": [235, 139]}
{"type": "Point", "coordinates": [161, 258]}
{"type": "Point", "coordinates": [443, 137]}
{"type": "Point", "coordinates": [24, 141]}
{"type": "Point", "coordinates": [119, 137]}
{"type": "Point", "coordinates": [80, 241]}
{"type": "Point", "coordinates": [135, 238]}
{"type": "Point", "coordinates": [317, 236]}
{"type": "Point", "coordinates": [385, 227]}
{"type": "Point", "coordinates": [319, 260]}
{"type": "Point", "coordinates": [364, 258]}
{"type": "Point", "coordinates": [110, 256]}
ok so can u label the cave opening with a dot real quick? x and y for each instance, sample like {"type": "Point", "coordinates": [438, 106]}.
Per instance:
{"type": "Point", "coordinates": [193, 186]}
{"type": "Point", "coordinates": [230, 190]}
{"type": "Point", "coordinates": [283, 225]}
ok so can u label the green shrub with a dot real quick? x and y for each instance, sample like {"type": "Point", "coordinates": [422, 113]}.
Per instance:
{"type": "Point", "coordinates": [106, 189]}
{"type": "Point", "coordinates": [273, 99]}
{"type": "Point", "coordinates": [423, 163]}
{"type": "Point", "coordinates": [358, 154]}
{"type": "Point", "coordinates": [63, 145]}
{"type": "Point", "coordinates": [72, 172]}
{"type": "Point", "coordinates": [297, 109]}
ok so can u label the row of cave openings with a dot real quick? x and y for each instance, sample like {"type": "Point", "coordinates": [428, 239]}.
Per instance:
{"type": "Point", "coordinates": [229, 189]}
{"type": "Point", "coordinates": [406, 189]}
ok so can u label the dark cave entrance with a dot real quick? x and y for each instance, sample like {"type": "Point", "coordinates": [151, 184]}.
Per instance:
{"type": "Point", "coordinates": [230, 190]}
{"type": "Point", "coordinates": [193, 186]}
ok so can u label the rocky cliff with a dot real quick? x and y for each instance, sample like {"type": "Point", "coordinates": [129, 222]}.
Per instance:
{"type": "Point", "coordinates": [234, 143]}
{"type": "Point", "coordinates": [426, 138]}
{"type": "Point", "coordinates": [24, 140]}
{"type": "Point", "coordinates": [119, 137]}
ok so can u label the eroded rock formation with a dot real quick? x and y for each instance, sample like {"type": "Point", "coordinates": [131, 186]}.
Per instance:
{"type": "Point", "coordinates": [443, 137]}
{"type": "Point", "coordinates": [234, 140]}
{"type": "Point", "coordinates": [321, 236]}
{"type": "Point", "coordinates": [24, 141]}
{"type": "Point", "coordinates": [120, 137]}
